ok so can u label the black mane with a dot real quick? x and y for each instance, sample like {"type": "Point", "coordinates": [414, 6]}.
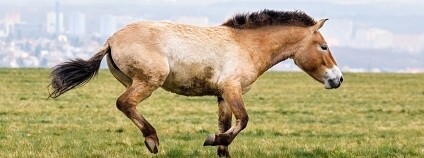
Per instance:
{"type": "Point", "coordinates": [269, 17]}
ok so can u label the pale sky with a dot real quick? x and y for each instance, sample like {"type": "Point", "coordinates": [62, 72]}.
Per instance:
{"type": "Point", "coordinates": [371, 2]}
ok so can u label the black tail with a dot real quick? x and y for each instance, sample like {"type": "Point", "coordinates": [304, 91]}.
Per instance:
{"type": "Point", "coordinates": [74, 73]}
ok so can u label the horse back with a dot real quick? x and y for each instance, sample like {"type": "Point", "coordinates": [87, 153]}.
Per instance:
{"type": "Point", "coordinates": [197, 59]}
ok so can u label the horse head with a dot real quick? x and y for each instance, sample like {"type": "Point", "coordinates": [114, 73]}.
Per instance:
{"type": "Point", "coordinates": [314, 57]}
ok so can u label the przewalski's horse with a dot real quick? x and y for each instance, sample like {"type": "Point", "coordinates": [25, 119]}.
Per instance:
{"type": "Point", "coordinates": [222, 61]}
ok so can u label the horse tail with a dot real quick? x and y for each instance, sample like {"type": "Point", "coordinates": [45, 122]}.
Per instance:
{"type": "Point", "coordinates": [74, 73]}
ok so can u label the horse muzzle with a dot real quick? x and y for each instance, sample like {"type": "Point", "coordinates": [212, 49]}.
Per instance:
{"type": "Point", "coordinates": [333, 83]}
{"type": "Point", "coordinates": [333, 78]}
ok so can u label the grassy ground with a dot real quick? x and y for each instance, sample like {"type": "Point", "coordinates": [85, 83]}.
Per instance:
{"type": "Point", "coordinates": [371, 115]}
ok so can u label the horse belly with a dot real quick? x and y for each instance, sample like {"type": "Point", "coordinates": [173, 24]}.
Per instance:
{"type": "Point", "coordinates": [192, 83]}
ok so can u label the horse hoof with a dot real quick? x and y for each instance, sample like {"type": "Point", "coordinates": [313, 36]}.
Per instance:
{"type": "Point", "coordinates": [152, 144]}
{"type": "Point", "coordinates": [210, 140]}
{"type": "Point", "coordinates": [218, 139]}
{"type": "Point", "coordinates": [223, 151]}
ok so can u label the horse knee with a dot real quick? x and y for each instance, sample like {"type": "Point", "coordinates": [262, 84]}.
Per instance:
{"type": "Point", "coordinates": [121, 105]}
{"type": "Point", "coordinates": [243, 121]}
{"type": "Point", "coordinates": [124, 104]}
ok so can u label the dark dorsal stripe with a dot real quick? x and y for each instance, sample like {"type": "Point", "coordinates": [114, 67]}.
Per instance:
{"type": "Point", "coordinates": [269, 17]}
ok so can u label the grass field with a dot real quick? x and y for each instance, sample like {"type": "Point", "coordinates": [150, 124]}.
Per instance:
{"type": "Point", "coordinates": [371, 115]}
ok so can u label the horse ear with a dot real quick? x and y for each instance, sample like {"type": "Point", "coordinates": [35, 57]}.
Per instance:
{"type": "Point", "coordinates": [318, 25]}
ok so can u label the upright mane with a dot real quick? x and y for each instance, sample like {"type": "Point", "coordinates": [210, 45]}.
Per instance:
{"type": "Point", "coordinates": [269, 17]}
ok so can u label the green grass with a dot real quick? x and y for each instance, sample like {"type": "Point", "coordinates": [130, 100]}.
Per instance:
{"type": "Point", "coordinates": [371, 115]}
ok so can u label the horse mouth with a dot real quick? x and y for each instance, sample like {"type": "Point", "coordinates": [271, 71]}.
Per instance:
{"type": "Point", "coordinates": [333, 83]}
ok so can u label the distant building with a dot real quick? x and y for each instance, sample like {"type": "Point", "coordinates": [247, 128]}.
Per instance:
{"type": "Point", "coordinates": [28, 30]}
{"type": "Point", "coordinates": [108, 25]}
{"type": "Point", "coordinates": [77, 24]}
{"type": "Point", "coordinates": [10, 21]}
{"type": "Point", "coordinates": [58, 18]}
{"type": "Point", "coordinates": [55, 22]}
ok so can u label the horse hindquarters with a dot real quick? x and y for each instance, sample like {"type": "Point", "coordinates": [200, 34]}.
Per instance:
{"type": "Point", "coordinates": [118, 74]}
{"type": "Point", "coordinates": [142, 72]}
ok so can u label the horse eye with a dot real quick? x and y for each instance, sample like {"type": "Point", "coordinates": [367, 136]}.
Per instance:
{"type": "Point", "coordinates": [324, 47]}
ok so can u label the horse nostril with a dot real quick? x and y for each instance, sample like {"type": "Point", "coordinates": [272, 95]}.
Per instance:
{"type": "Point", "coordinates": [341, 79]}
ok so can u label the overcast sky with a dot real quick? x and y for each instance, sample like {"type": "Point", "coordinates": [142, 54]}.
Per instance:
{"type": "Point", "coordinates": [371, 2]}
{"type": "Point", "coordinates": [404, 7]}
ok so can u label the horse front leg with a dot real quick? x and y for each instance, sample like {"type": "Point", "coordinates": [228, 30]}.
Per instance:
{"type": "Point", "coordinates": [232, 96]}
{"type": "Point", "coordinates": [127, 102]}
{"type": "Point", "coordinates": [224, 123]}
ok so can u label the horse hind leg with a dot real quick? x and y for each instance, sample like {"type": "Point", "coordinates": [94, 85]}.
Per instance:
{"type": "Point", "coordinates": [137, 92]}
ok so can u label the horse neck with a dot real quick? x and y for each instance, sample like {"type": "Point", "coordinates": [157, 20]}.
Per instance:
{"type": "Point", "coordinates": [270, 45]}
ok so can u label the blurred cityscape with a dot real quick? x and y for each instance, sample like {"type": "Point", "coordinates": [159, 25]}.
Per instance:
{"type": "Point", "coordinates": [363, 37]}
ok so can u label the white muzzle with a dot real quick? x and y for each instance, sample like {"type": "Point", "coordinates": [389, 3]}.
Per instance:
{"type": "Point", "coordinates": [333, 78]}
